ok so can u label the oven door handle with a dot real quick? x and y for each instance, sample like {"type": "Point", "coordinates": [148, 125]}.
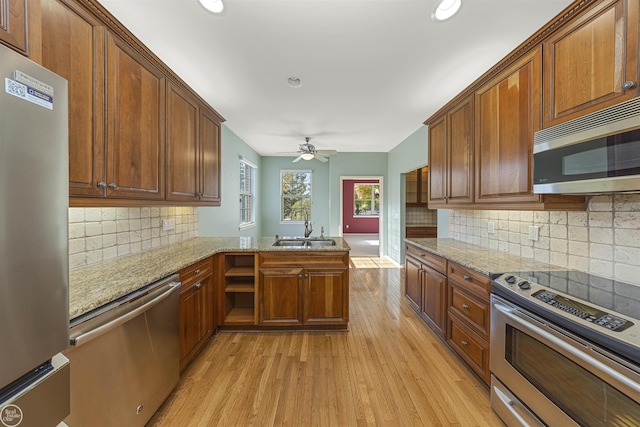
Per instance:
{"type": "Point", "coordinates": [509, 312]}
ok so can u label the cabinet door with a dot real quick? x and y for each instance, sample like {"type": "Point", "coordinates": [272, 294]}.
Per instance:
{"type": "Point", "coordinates": [588, 61]}
{"type": "Point", "coordinates": [507, 115]}
{"type": "Point", "coordinates": [73, 47]}
{"type": "Point", "coordinates": [280, 296]}
{"type": "Point", "coordinates": [438, 162]}
{"type": "Point", "coordinates": [182, 145]}
{"type": "Point", "coordinates": [424, 186]}
{"type": "Point", "coordinates": [209, 158]}
{"type": "Point", "coordinates": [413, 282]}
{"type": "Point", "coordinates": [13, 24]}
{"type": "Point", "coordinates": [434, 294]}
{"type": "Point", "coordinates": [460, 152]}
{"type": "Point", "coordinates": [191, 329]}
{"type": "Point", "coordinates": [411, 188]}
{"type": "Point", "coordinates": [136, 127]}
{"type": "Point", "coordinates": [326, 296]}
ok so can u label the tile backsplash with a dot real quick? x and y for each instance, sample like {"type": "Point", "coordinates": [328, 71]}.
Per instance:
{"type": "Point", "coordinates": [98, 234]}
{"type": "Point", "coordinates": [604, 240]}
{"type": "Point", "coordinates": [421, 215]}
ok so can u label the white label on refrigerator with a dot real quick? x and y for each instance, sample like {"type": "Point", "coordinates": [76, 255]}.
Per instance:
{"type": "Point", "coordinates": [28, 93]}
{"type": "Point", "coordinates": [32, 82]}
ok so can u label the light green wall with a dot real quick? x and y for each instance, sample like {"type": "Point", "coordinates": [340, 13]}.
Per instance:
{"type": "Point", "coordinates": [354, 165]}
{"type": "Point", "coordinates": [410, 154]}
{"type": "Point", "coordinates": [270, 192]}
{"type": "Point", "coordinates": [224, 220]}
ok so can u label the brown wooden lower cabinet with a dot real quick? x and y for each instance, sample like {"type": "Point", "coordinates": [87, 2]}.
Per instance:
{"type": "Point", "coordinates": [304, 290]}
{"type": "Point", "coordinates": [197, 309]}
{"type": "Point", "coordinates": [425, 287]}
{"type": "Point", "coordinates": [453, 301]}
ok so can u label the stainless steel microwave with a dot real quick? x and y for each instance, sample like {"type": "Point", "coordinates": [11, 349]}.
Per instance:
{"type": "Point", "coordinates": [593, 154]}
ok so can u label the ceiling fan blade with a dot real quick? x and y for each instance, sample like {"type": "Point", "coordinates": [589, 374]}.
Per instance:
{"type": "Point", "coordinates": [326, 152]}
{"type": "Point", "coordinates": [321, 158]}
{"type": "Point", "coordinates": [297, 159]}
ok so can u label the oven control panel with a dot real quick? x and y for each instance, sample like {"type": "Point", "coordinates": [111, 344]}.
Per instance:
{"type": "Point", "coordinates": [535, 292]}
{"type": "Point", "coordinates": [583, 311]}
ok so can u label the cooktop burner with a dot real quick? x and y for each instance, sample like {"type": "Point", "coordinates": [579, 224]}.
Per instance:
{"type": "Point", "coordinates": [602, 310]}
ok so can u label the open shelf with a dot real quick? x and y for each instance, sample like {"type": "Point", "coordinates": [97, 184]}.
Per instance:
{"type": "Point", "coordinates": [239, 289]}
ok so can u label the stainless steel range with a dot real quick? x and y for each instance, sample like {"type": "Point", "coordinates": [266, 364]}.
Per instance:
{"type": "Point", "coordinates": [565, 350]}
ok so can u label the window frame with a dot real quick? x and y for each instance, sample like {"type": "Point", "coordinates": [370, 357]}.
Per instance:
{"type": "Point", "coordinates": [251, 194]}
{"type": "Point", "coordinates": [371, 184]}
{"type": "Point", "coordinates": [282, 195]}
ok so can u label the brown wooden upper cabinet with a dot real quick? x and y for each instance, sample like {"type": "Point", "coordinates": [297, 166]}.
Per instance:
{"type": "Point", "coordinates": [210, 161]}
{"type": "Point", "coordinates": [193, 149]}
{"type": "Point", "coordinates": [73, 47]}
{"type": "Point", "coordinates": [13, 24]}
{"type": "Point", "coordinates": [592, 62]}
{"type": "Point", "coordinates": [135, 124]}
{"type": "Point", "coordinates": [417, 187]}
{"type": "Point", "coordinates": [507, 115]}
{"type": "Point", "coordinates": [451, 156]}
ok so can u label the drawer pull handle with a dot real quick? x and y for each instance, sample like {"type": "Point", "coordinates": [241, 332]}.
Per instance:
{"type": "Point", "coordinates": [464, 343]}
{"type": "Point", "coordinates": [423, 255]}
{"type": "Point", "coordinates": [465, 307]}
{"type": "Point", "coordinates": [467, 278]}
{"type": "Point", "coordinates": [197, 271]}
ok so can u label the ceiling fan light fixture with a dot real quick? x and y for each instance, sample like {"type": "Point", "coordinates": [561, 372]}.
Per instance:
{"type": "Point", "coordinates": [307, 156]}
{"type": "Point", "coordinates": [213, 6]}
{"type": "Point", "coordinates": [446, 9]}
{"type": "Point", "coordinates": [294, 82]}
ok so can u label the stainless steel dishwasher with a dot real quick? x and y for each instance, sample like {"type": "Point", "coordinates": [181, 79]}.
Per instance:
{"type": "Point", "coordinates": [124, 358]}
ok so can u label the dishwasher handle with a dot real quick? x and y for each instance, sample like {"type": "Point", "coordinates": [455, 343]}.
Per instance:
{"type": "Point", "coordinates": [103, 329]}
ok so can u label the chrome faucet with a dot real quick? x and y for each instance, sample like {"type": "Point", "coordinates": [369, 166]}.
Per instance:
{"type": "Point", "coordinates": [308, 228]}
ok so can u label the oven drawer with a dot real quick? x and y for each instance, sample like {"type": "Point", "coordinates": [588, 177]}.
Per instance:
{"type": "Point", "coordinates": [470, 279]}
{"type": "Point", "coordinates": [473, 310]}
{"type": "Point", "coordinates": [470, 346]}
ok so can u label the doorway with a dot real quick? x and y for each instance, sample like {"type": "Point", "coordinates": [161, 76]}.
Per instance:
{"type": "Point", "coordinates": [361, 214]}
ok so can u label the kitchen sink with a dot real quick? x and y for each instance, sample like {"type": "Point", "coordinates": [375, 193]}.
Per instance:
{"type": "Point", "coordinates": [304, 243]}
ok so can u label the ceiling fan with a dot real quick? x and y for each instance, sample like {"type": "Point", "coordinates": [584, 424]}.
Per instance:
{"type": "Point", "coordinates": [308, 151]}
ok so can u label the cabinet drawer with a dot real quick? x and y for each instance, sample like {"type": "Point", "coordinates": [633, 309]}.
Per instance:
{"type": "Point", "coordinates": [434, 261]}
{"type": "Point", "coordinates": [471, 309]}
{"type": "Point", "coordinates": [470, 279]}
{"type": "Point", "coordinates": [195, 272]}
{"type": "Point", "coordinates": [470, 346]}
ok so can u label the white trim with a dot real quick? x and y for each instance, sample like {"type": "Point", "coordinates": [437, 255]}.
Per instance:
{"type": "Point", "coordinates": [247, 225]}
{"type": "Point", "coordinates": [247, 161]}
{"type": "Point", "coordinates": [381, 219]}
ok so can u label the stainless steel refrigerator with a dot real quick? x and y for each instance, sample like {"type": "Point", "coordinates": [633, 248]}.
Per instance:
{"type": "Point", "coordinates": [34, 271]}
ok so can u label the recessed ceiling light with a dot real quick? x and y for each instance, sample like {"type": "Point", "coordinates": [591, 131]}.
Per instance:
{"type": "Point", "coordinates": [294, 82]}
{"type": "Point", "coordinates": [214, 6]}
{"type": "Point", "coordinates": [446, 9]}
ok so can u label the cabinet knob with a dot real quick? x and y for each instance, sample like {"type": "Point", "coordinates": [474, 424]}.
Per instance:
{"type": "Point", "coordinates": [467, 278]}
{"type": "Point", "coordinates": [306, 275]}
{"type": "Point", "coordinates": [628, 85]}
{"type": "Point", "coordinates": [102, 184]}
{"type": "Point", "coordinates": [113, 185]}
{"type": "Point", "coordinates": [197, 271]}
{"type": "Point", "coordinates": [299, 276]}
{"type": "Point", "coordinates": [465, 307]}
{"type": "Point", "coordinates": [464, 343]}
{"type": "Point", "coordinates": [198, 285]}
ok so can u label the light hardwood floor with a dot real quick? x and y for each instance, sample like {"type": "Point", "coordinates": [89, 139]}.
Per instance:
{"type": "Point", "coordinates": [389, 369]}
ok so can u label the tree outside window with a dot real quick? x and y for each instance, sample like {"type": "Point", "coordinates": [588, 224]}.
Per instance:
{"type": "Point", "coordinates": [366, 200]}
{"type": "Point", "coordinates": [295, 195]}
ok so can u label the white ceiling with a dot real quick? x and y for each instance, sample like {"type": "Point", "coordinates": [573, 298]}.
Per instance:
{"type": "Point", "coordinates": [372, 70]}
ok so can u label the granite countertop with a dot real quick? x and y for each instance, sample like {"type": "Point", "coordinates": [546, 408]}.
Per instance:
{"type": "Point", "coordinates": [484, 260]}
{"type": "Point", "coordinates": [95, 285]}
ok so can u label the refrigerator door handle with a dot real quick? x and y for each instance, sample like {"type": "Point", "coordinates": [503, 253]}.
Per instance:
{"type": "Point", "coordinates": [103, 329]}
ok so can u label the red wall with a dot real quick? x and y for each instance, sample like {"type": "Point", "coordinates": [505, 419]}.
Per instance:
{"type": "Point", "coordinates": [356, 225]}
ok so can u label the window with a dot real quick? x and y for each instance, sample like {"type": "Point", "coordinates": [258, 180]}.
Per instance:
{"type": "Point", "coordinates": [247, 193]}
{"type": "Point", "coordinates": [295, 200]}
{"type": "Point", "coordinates": [366, 200]}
